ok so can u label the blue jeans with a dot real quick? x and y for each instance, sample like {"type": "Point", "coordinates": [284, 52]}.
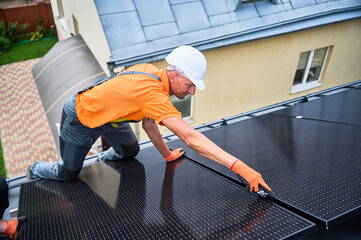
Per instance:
{"type": "Point", "coordinates": [76, 141]}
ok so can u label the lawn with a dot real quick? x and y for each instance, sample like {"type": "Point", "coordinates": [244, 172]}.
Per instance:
{"type": "Point", "coordinates": [2, 163]}
{"type": "Point", "coordinates": [24, 51]}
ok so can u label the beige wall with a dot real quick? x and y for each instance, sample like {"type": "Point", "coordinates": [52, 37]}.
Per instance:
{"type": "Point", "coordinates": [260, 73]}
{"type": "Point", "coordinates": [90, 28]}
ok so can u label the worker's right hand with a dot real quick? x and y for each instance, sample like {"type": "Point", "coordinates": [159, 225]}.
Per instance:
{"type": "Point", "coordinates": [12, 227]}
{"type": "Point", "coordinates": [253, 179]}
{"type": "Point", "coordinates": [174, 155]}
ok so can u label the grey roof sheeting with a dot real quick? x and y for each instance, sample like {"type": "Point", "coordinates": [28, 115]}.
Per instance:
{"type": "Point", "coordinates": [67, 68]}
{"type": "Point", "coordinates": [143, 31]}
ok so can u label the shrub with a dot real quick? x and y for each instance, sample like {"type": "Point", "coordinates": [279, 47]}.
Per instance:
{"type": "Point", "coordinates": [4, 43]}
{"type": "Point", "coordinates": [38, 34]}
{"type": "Point", "coordinates": [51, 32]}
{"type": "Point", "coordinates": [2, 28]}
{"type": "Point", "coordinates": [40, 30]}
{"type": "Point", "coordinates": [13, 31]}
{"type": "Point", "coordinates": [23, 27]}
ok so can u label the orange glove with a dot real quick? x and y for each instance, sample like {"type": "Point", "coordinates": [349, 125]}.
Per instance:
{"type": "Point", "coordinates": [10, 230]}
{"type": "Point", "coordinates": [253, 179]}
{"type": "Point", "coordinates": [174, 155]}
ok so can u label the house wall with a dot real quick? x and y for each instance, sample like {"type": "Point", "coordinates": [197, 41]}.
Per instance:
{"type": "Point", "coordinates": [252, 75]}
{"type": "Point", "coordinates": [90, 28]}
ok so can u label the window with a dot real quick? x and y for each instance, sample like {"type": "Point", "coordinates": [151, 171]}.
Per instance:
{"type": "Point", "coordinates": [183, 105]}
{"type": "Point", "coordinates": [61, 14]}
{"type": "Point", "coordinates": [60, 8]}
{"type": "Point", "coordinates": [309, 70]}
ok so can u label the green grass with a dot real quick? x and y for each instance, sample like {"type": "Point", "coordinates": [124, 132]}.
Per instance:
{"type": "Point", "coordinates": [2, 162]}
{"type": "Point", "coordinates": [25, 51]}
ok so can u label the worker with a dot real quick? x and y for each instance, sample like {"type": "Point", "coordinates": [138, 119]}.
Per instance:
{"type": "Point", "coordinates": [139, 93]}
{"type": "Point", "coordinates": [7, 228]}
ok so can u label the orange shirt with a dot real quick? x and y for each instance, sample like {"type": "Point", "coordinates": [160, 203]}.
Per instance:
{"type": "Point", "coordinates": [126, 98]}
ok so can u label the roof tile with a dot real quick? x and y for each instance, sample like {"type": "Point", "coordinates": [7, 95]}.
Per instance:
{"type": "Point", "coordinates": [133, 50]}
{"type": "Point", "coordinates": [160, 31]}
{"type": "Point", "coordinates": [266, 7]}
{"type": "Point", "coordinates": [186, 38]}
{"type": "Point", "coordinates": [110, 6]}
{"type": "Point", "coordinates": [222, 19]}
{"type": "Point", "coordinates": [246, 11]}
{"type": "Point", "coordinates": [215, 7]}
{"type": "Point", "coordinates": [154, 12]}
{"type": "Point", "coordinates": [181, 1]}
{"type": "Point", "coordinates": [302, 3]}
{"type": "Point", "coordinates": [127, 31]}
{"type": "Point", "coordinates": [190, 16]}
{"type": "Point", "coordinates": [343, 3]}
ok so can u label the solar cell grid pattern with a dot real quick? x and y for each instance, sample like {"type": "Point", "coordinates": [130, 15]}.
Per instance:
{"type": "Point", "coordinates": [344, 107]}
{"type": "Point", "coordinates": [145, 198]}
{"type": "Point", "coordinates": [311, 165]}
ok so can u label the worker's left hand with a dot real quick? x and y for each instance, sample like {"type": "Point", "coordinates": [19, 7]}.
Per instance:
{"type": "Point", "coordinates": [174, 155]}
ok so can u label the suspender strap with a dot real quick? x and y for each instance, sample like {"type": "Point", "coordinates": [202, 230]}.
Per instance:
{"type": "Point", "coordinates": [104, 79]}
{"type": "Point", "coordinates": [142, 73]}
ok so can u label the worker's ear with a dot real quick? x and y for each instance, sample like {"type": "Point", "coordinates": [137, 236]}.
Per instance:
{"type": "Point", "coordinates": [172, 76]}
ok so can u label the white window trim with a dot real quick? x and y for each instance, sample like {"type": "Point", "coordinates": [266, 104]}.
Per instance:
{"type": "Point", "coordinates": [189, 119]}
{"type": "Point", "coordinates": [304, 85]}
{"type": "Point", "coordinates": [62, 22]}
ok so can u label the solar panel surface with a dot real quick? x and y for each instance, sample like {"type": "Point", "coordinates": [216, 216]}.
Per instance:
{"type": "Point", "coordinates": [144, 198]}
{"type": "Point", "coordinates": [343, 107]}
{"type": "Point", "coordinates": [312, 166]}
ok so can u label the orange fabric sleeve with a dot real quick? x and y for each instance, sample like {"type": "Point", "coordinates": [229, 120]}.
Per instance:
{"type": "Point", "coordinates": [160, 107]}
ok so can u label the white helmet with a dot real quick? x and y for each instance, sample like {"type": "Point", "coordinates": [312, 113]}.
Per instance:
{"type": "Point", "coordinates": [191, 62]}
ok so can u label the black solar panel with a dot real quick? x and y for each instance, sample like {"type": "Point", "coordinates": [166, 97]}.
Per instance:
{"type": "Point", "coordinates": [144, 198]}
{"type": "Point", "coordinates": [312, 166]}
{"type": "Point", "coordinates": [344, 107]}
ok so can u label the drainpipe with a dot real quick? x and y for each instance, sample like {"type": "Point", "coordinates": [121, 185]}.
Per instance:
{"type": "Point", "coordinates": [111, 66]}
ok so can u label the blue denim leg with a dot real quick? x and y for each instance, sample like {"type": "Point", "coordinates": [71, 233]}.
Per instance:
{"type": "Point", "coordinates": [122, 139]}
{"type": "Point", "coordinates": [75, 142]}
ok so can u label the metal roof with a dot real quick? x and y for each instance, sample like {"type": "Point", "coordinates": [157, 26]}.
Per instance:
{"type": "Point", "coordinates": [143, 31]}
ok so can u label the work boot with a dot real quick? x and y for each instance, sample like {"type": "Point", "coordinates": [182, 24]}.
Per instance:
{"type": "Point", "coordinates": [100, 157]}
{"type": "Point", "coordinates": [28, 173]}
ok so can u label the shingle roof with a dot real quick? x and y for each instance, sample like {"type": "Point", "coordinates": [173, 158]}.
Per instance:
{"type": "Point", "coordinates": [141, 31]}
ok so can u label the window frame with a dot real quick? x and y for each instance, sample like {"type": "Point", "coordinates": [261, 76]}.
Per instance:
{"type": "Point", "coordinates": [188, 119]}
{"type": "Point", "coordinates": [61, 16]}
{"type": "Point", "coordinates": [304, 85]}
